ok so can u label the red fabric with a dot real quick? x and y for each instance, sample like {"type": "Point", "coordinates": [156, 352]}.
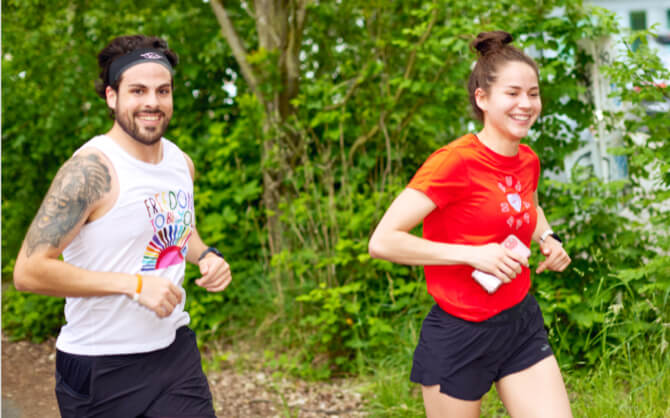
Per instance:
{"type": "Point", "coordinates": [481, 197]}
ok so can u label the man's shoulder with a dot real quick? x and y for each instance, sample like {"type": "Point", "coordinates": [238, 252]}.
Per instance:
{"type": "Point", "coordinates": [175, 152]}
{"type": "Point", "coordinates": [169, 144]}
{"type": "Point", "coordinates": [82, 185]}
{"type": "Point", "coordinates": [96, 146]}
{"type": "Point", "coordinates": [92, 167]}
{"type": "Point", "coordinates": [92, 155]}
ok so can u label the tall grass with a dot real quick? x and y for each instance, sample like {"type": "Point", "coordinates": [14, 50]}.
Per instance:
{"type": "Point", "coordinates": [633, 383]}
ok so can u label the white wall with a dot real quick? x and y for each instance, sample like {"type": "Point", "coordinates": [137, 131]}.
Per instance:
{"type": "Point", "coordinates": [657, 14]}
{"type": "Point", "coordinates": [656, 10]}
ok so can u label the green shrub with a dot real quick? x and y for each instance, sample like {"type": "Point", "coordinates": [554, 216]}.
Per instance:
{"type": "Point", "coordinates": [29, 316]}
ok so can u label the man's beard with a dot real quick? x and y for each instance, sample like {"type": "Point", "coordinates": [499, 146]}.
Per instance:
{"type": "Point", "coordinates": [134, 131]}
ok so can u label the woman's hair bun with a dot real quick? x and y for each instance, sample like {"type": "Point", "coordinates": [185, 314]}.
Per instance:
{"type": "Point", "coordinates": [488, 42]}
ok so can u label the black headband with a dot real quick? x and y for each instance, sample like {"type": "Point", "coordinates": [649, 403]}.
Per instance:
{"type": "Point", "coordinates": [138, 56]}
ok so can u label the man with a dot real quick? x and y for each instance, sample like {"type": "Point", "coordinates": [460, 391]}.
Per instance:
{"type": "Point", "coordinates": [121, 213]}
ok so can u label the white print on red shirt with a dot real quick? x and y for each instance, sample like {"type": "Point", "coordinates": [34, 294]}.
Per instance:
{"type": "Point", "coordinates": [513, 203]}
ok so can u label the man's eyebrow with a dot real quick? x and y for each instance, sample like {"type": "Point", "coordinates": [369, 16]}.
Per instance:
{"type": "Point", "coordinates": [145, 86]}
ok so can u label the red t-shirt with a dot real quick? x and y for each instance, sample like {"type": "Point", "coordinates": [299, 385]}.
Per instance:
{"type": "Point", "coordinates": [481, 197]}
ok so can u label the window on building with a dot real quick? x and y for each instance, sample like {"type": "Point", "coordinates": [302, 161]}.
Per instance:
{"type": "Point", "coordinates": [638, 20]}
{"type": "Point", "coordinates": [664, 38]}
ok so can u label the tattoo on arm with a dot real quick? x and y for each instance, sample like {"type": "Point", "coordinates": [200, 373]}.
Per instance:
{"type": "Point", "coordinates": [82, 181]}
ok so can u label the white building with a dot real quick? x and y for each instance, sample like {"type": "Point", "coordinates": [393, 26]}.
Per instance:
{"type": "Point", "coordinates": [635, 15]}
{"type": "Point", "coordinates": [644, 14]}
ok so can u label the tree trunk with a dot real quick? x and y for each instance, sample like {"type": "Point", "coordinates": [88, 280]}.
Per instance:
{"type": "Point", "coordinates": [279, 24]}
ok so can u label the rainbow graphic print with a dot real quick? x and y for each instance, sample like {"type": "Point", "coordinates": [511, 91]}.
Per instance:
{"type": "Point", "coordinates": [171, 216]}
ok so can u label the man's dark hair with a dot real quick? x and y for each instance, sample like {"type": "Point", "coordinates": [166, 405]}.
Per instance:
{"type": "Point", "coordinates": [123, 45]}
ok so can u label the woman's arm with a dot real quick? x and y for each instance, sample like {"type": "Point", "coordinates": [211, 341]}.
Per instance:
{"type": "Point", "coordinates": [557, 258]}
{"type": "Point", "coordinates": [392, 241]}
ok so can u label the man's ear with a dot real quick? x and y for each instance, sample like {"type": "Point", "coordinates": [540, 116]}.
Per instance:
{"type": "Point", "coordinates": [111, 94]}
{"type": "Point", "coordinates": [480, 98]}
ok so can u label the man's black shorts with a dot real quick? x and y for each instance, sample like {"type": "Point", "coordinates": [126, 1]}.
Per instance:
{"type": "Point", "coordinates": [465, 357]}
{"type": "Point", "coordinates": [163, 383]}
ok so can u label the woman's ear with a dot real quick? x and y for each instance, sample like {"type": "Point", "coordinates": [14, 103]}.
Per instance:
{"type": "Point", "coordinates": [480, 98]}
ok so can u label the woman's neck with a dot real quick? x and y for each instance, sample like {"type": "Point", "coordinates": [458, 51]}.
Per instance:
{"type": "Point", "coordinates": [498, 143]}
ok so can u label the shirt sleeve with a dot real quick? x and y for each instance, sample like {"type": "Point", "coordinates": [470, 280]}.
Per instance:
{"type": "Point", "coordinates": [443, 177]}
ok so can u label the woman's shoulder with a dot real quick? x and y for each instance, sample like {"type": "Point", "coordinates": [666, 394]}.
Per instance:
{"type": "Point", "coordinates": [464, 142]}
{"type": "Point", "coordinates": [458, 146]}
{"type": "Point", "coordinates": [454, 150]}
{"type": "Point", "coordinates": [525, 151]}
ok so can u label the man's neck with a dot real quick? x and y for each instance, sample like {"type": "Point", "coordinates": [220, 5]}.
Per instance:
{"type": "Point", "coordinates": [152, 154]}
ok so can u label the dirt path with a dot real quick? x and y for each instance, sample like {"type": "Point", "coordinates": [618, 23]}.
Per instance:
{"type": "Point", "coordinates": [28, 380]}
{"type": "Point", "coordinates": [28, 389]}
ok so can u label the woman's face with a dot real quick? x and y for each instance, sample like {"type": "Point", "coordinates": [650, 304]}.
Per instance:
{"type": "Point", "coordinates": [513, 103]}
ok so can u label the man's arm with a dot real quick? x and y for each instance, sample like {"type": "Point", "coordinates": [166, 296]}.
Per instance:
{"type": "Point", "coordinates": [215, 270]}
{"type": "Point", "coordinates": [83, 186]}
{"type": "Point", "coordinates": [195, 244]}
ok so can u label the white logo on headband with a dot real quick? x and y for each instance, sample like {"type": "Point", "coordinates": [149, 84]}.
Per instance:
{"type": "Point", "coordinates": [151, 56]}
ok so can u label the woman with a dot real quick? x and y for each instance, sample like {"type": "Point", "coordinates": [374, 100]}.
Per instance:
{"type": "Point", "coordinates": [471, 195]}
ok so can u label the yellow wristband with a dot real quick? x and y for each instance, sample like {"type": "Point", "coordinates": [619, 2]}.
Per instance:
{"type": "Point", "coordinates": [138, 290]}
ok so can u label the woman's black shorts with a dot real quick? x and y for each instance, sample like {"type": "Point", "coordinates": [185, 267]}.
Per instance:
{"type": "Point", "coordinates": [465, 357]}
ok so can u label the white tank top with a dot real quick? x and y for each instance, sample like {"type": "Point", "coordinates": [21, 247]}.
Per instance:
{"type": "Point", "coordinates": [147, 232]}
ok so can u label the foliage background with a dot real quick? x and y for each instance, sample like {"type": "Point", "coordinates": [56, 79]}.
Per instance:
{"type": "Point", "coordinates": [382, 85]}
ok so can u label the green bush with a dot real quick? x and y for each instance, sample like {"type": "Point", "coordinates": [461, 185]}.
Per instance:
{"type": "Point", "coordinates": [29, 316]}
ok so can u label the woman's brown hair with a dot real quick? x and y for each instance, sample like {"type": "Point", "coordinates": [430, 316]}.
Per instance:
{"type": "Point", "coordinates": [495, 50]}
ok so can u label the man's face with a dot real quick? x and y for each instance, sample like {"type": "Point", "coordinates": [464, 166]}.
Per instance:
{"type": "Point", "coordinates": [143, 103]}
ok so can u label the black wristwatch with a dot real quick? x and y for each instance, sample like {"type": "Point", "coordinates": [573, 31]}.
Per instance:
{"type": "Point", "coordinates": [210, 250]}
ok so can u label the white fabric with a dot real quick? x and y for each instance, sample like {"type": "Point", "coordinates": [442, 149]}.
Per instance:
{"type": "Point", "coordinates": [145, 232]}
